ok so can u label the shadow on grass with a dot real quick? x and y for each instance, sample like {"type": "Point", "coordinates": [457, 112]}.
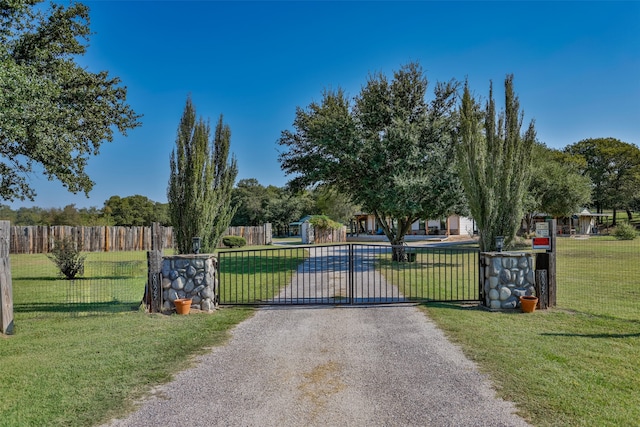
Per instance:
{"type": "Point", "coordinates": [466, 306]}
{"type": "Point", "coordinates": [591, 335]}
{"type": "Point", "coordinates": [102, 307]}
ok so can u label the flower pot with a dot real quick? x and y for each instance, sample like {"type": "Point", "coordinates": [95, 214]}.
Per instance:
{"type": "Point", "coordinates": [183, 305]}
{"type": "Point", "coordinates": [528, 303]}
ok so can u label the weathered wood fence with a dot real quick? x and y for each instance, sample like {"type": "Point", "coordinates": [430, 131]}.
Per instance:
{"type": "Point", "coordinates": [39, 239]}
{"type": "Point", "coordinates": [6, 291]}
{"type": "Point", "coordinates": [255, 236]}
{"type": "Point", "coordinates": [330, 235]}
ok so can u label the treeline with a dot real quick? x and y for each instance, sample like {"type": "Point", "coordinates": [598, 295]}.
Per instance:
{"type": "Point", "coordinates": [280, 206]}
{"type": "Point", "coordinates": [126, 211]}
{"type": "Point", "coordinates": [256, 205]}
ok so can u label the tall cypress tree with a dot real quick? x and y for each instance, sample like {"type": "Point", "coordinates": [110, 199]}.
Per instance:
{"type": "Point", "coordinates": [494, 160]}
{"type": "Point", "coordinates": [201, 180]}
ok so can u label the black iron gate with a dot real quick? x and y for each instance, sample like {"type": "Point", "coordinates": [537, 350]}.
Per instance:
{"type": "Point", "coordinates": [347, 274]}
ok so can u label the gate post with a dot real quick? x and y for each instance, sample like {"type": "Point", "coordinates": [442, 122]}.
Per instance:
{"type": "Point", "coordinates": [6, 290]}
{"type": "Point", "coordinates": [547, 261]}
{"type": "Point", "coordinates": [153, 290]}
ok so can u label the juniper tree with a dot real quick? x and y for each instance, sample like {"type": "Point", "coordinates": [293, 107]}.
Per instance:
{"type": "Point", "coordinates": [201, 182]}
{"type": "Point", "coordinates": [494, 160]}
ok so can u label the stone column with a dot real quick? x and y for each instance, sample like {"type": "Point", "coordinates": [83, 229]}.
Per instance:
{"type": "Point", "coordinates": [192, 276]}
{"type": "Point", "coordinates": [507, 277]}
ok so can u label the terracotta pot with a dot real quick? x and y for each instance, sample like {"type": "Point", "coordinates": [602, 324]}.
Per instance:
{"type": "Point", "coordinates": [528, 303]}
{"type": "Point", "coordinates": [183, 305]}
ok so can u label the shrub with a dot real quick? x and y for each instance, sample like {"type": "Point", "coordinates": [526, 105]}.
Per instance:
{"type": "Point", "coordinates": [66, 255]}
{"type": "Point", "coordinates": [234, 241]}
{"type": "Point", "coordinates": [625, 231]}
{"type": "Point", "coordinates": [324, 222]}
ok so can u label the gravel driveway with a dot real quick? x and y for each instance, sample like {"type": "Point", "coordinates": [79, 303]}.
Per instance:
{"type": "Point", "coordinates": [330, 366]}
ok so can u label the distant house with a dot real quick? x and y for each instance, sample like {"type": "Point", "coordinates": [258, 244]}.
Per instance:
{"type": "Point", "coordinates": [453, 225]}
{"type": "Point", "coordinates": [587, 221]}
{"type": "Point", "coordinates": [583, 222]}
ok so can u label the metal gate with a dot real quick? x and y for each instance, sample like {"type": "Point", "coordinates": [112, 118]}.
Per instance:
{"type": "Point", "coordinates": [347, 274]}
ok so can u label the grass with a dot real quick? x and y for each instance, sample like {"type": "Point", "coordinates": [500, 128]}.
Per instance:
{"type": "Point", "coordinates": [577, 364]}
{"type": "Point", "coordinates": [436, 274]}
{"type": "Point", "coordinates": [600, 276]}
{"type": "Point", "coordinates": [112, 282]}
{"type": "Point", "coordinates": [60, 369]}
{"type": "Point", "coordinates": [559, 367]}
{"type": "Point", "coordinates": [257, 275]}
{"type": "Point", "coordinates": [82, 371]}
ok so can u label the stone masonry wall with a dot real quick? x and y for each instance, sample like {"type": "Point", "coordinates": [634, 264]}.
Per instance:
{"type": "Point", "coordinates": [507, 277]}
{"type": "Point", "coordinates": [190, 276]}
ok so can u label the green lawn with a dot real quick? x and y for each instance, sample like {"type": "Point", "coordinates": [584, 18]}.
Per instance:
{"type": "Point", "coordinates": [257, 275]}
{"type": "Point", "coordinates": [112, 282]}
{"type": "Point", "coordinates": [577, 364]}
{"type": "Point", "coordinates": [81, 371]}
{"type": "Point", "coordinates": [435, 274]}
{"type": "Point", "coordinates": [600, 276]}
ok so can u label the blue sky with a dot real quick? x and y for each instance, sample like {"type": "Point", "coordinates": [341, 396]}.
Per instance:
{"type": "Point", "coordinates": [576, 68]}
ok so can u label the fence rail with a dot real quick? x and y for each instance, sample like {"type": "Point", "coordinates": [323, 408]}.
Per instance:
{"type": "Point", "coordinates": [39, 239]}
{"type": "Point", "coordinates": [254, 235]}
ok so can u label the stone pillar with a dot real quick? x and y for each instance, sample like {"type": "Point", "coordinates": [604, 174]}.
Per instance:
{"type": "Point", "coordinates": [192, 276]}
{"type": "Point", "coordinates": [507, 277]}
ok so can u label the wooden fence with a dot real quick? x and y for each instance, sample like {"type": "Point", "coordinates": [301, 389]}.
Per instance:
{"type": "Point", "coordinates": [330, 235]}
{"type": "Point", "coordinates": [39, 239]}
{"type": "Point", "coordinates": [255, 236]}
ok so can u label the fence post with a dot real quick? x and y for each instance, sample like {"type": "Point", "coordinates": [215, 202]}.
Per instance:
{"type": "Point", "coordinates": [6, 290]}
{"type": "Point", "coordinates": [547, 261]}
{"type": "Point", "coordinates": [552, 264]}
{"type": "Point", "coordinates": [153, 290]}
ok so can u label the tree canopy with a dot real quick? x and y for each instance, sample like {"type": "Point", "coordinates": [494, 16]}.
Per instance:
{"type": "Point", "coordinates": [134, 210]}
{"type": "Point", "coordinates": [557, 187]}
{"type": "Point", "coordinates": [55, 113]}
{"type": "Point", "coordinates": [390, 150]}
{"type": "Point", "coordinates": [614, 169]}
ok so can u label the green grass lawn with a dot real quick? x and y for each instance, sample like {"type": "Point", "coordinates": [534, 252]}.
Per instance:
{"type": "Point", "coordinates": [62, 369]}
{"type": "Point", "coordinates": [435, 274]}
{"type": "Point", "coordinates": [81, 371]}
{"type": "Point", "coordinates": [257, 275]}
{"type": "Point", "coordinates": [112, 282]}
{"type": "Point", "coordinates": [600, 276]}
{"type": "Point", "coordinates": [577, 364]}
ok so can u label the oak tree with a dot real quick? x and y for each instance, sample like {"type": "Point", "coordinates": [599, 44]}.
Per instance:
{"type": "Point", "coordinates": [390, 150]}
{"type": "Point", "coordinates": [55, 113]}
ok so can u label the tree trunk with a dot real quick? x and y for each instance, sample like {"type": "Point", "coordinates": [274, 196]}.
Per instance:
{"type": "Point", "coordinates": [629, 215]}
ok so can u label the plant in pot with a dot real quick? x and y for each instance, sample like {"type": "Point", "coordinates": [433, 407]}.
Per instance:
{"type": "Point", "coordinates": [528, 303]}
{"type": "Point", "coordinates": [183, 305]}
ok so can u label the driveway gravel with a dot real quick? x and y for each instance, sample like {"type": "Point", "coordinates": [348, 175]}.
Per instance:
{"type": "Point", "coordinates": [329, 366]}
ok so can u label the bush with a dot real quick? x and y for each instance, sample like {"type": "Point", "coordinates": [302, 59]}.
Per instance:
{"type": "Point", "coordinates": [625, 231]}
{"type": "Point", "coordinates": [234, 241]}
{"type": "Point", "coordinates": [324, 222]}
{"type": "Point", "coordinates": [66, 255]}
